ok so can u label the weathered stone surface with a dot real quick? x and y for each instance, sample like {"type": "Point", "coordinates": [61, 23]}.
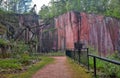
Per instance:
{"type": "Point", "coordinates": [97, 31]}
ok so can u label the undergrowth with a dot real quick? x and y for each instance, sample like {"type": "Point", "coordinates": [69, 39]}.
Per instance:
{"type": "Point", "coordinates": [106, 69]}
{"type": "Point", "coordinates": [78, 70]}
{"type": "Point", "coordinates": [33, 69]}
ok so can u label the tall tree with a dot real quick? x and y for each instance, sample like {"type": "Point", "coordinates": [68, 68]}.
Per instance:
{"type": "Point", "coordinates": [105, 7]}
{"type": "Point", "coordinates": [44, 13]}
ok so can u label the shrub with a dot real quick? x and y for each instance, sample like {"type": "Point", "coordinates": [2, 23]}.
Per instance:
{"type": "Point", "coordinates": [3, 42]}
{"type": "Point", "coordinates": [18, 49]}
{"type": "Point", "coordinates": [108, 68]}
{"type": "Point", "coordinates": [25, 59]}
{"type": "Point", "coordinates": [3, 46]}
{"type": "Point", "coordinates": [10, 64]}
{"type": "Point", "coordinates": [2, 29]}
{"type": "Point", "coordinates": [111, 70]}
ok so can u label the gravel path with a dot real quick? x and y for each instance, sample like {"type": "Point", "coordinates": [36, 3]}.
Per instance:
{"type": "Point", "coordinates": [58, 69]}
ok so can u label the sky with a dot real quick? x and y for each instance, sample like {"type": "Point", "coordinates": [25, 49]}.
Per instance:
{"type": "Point", "coordinates": [39, 3]}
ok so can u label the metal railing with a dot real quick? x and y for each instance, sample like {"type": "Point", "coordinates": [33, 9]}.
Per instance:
{"type": "Point", "coordinates": [82, 56]}
{"type": "Point", "coordinates": [101, 58]}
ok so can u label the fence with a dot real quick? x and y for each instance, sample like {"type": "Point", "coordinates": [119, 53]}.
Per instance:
{"type": "Point", "coordinates": [82, 56]}
{"type": "Point", "coordinates": [101, 58]}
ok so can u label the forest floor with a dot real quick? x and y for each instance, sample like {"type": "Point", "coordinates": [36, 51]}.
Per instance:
{"type": "Point", "coordinates": [61, 68]}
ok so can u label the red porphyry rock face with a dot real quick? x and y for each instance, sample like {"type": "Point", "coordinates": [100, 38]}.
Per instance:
{"type": "Point", "coordinates": [56, 70]}
{"type": "Point", "coordinates": [97, 31]}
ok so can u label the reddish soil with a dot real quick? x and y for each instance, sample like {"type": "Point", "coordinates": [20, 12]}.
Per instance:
{"type": "Point", "coordinates": [58, 69]}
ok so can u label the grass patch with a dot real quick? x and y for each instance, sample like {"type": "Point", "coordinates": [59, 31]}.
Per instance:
{"type": "Point", "coordinates": [33, 69]}
{"type": "Point", "coordinates": [9, 64]}
{"type": "Point", "coordinates": [78, 71]}
{"type": "Point", "coordinates": [105, 68]}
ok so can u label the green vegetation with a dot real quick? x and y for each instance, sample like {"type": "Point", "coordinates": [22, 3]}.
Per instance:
{"type": "Point", "coordinates": [17, 63]}
{"type": "Point", "coordinates": [78, 70]}
{"type": "Point", "coordinates": [9, 64]}
{"type": "Point", "coordinates": [19, 48]}
{"type": "Point", "coordinates": [33, 69]}
{"type": "Point", "coordinates": [58, 7]}
{"type": "Point", "coordinates": [3, 42]}
{"type": "Point", "coordinates": [106, 69]}
{"type": "Point", "coordinates": [2, 29]}
{"type": "Point", "coordinates": [13, 6]}
{"type": "Point", "coordinates": [20, 53]}
{"type": "Point", "coordinates": [19, 59]}
{"type": "Point", "coordinates": [3, 46]}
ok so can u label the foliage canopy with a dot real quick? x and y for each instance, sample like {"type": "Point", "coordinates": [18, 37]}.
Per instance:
{"type": "Point", "coordinates": [58, 7]}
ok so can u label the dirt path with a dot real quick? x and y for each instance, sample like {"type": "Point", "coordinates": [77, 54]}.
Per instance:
{"type": "Point", "coordinates": [58, 69]}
